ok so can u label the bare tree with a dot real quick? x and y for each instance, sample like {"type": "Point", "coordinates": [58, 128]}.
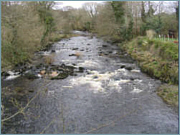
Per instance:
{"type": "Point", "coordinates": [91, 8]}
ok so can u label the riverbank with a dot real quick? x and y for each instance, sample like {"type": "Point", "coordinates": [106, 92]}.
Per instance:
{"type": "Point", "coordinates": [158, 59]}
{"type": "Point", "coordinates": [55, 37]}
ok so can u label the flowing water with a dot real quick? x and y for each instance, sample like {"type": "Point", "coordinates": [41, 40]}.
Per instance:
{"type": "Point", "coordinates": [110, 95]}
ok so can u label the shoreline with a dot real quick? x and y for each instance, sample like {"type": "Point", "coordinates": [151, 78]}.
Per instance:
{"type": "Point", "coordinates": [156, 67]}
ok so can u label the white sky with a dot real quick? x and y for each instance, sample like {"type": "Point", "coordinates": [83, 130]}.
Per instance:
{"type": "Point", "coordinates": [74, 4]}
{"type": "Point", "coordinates": [78, 4]}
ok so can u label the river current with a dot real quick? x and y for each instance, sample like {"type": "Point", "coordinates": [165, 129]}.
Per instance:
{"type": "Point", "coordinates": [111, 95]}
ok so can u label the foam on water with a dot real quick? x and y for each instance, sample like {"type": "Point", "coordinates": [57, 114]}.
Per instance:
{"type": "Point", "coordinates": [138, 81]}
{"type": "Point", "coordinates": [96, 86]}
{"type": "Point", "coordinates": [121, 70]}
{"type": "Point", "coordinates": [115, 85]}
{"type": "Point", "coordinates": [65, 60]}
{"type": "Point", "coordinates": [13, 75]}
{"type": "Point", "coordinates": [46, 53]}
{"type": "Point", "coordinates": [89, 63]}
{"type": "Point", "coordinates": [135, 71]}
{"type": "Point", "coordinates": [136, 90]}
{"type": "Point", "coordinates": [124, 81]}
{"type": "Point", "coordinates": [96, 80]}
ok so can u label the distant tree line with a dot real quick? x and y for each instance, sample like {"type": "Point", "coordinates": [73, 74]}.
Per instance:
{"type": "Point", "coordinates": [124, 20]}
{"type": "Point", "coordinates": [29, 26]}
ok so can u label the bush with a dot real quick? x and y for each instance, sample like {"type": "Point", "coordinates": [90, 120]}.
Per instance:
{"type": "Point", "coordinates": [25, 29]}
{"type": "Point", "coordinates": [150, 34]}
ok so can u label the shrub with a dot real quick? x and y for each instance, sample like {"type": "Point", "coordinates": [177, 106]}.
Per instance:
{"type": "Point", "coordinates": [150, 34]}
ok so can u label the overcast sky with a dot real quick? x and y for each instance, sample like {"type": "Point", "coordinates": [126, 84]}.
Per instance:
{"type": "Point", "coordinates": [78, 4]}
{"type": "Point", "coordinates": [74, 4]}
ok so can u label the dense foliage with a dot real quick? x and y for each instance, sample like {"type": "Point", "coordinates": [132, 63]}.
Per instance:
{"type": "Point", "coordinates": [30, 26]}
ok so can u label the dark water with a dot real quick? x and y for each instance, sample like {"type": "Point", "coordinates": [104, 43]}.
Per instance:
{"type": "Point", "coordinates": [112, 95]}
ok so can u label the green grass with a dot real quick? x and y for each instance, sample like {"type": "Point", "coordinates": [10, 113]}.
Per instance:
{"type": "Point", "coordinates": [169, 93]}
{"type": "Point", "coordinates": [166, 39]}
{"type": "Point", "coordinates": [156, 58]}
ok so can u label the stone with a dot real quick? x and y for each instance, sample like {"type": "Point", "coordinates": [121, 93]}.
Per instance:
{"type": "Point", "coordinates": [53, 74]}
{"type": "Point", "coordinates": [53, 51]}
{"type": "Point", "coordinates": [30, 76]}
{"type": "Point", "coordinates": [104, 45]}
{"type": "Point", "coordinates": [123, 66]}
{"type": "Point", "coordinates": [129, 68]}
{"type": "Point", "coordinates": [5, 74]}
{"type": "Point", "coordinates": [31, 91]}
{"type": "Point", "coordinates": [42, 72]}
{"type": "Point", "coordinates": [81, 69]}
{"type": "Point", "coordinates": [95, 77]}
{"type": "Point", "coordinates": [74, 48]}
{"type": "Point", "coordinates": [72, 55]}
{"type": "Point", "coordinates": [60, 76]}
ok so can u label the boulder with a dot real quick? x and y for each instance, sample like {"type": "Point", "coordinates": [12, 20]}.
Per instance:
{"type": "Point", "coordinates": [5, 74]}
{"type": "Point", "coordinates": [60, 76]}
{"type": "Point", "coordinates": [72, 55]}
{"type": "Point", "coordinates": [129, 68]}
{"type": "Point", "coordinates": [53, 74]}
{"type": "Point", "coordinates": [53, 51]}
{"type": "Point", "coordinates": [122, 66]}
{"type": "Point", "coordinates": [95, 77]}
{"type": "Point", "coordinates": [31, 76]}
{"type": "Point", "coordinates": [74, 48]}
{"type": "Point", "coordinates": [104, 45]}
{"type": "Point", "coordinates": [81, 69]}
{"type": "Point", "coordinates": [42, 72]}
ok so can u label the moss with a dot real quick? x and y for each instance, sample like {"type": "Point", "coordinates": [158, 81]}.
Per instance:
{"type": "Point", "coordinates": [169, 93]}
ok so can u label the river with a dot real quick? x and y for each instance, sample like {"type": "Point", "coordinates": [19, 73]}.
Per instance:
{"type": "Point", "coordinates": [107, 94]}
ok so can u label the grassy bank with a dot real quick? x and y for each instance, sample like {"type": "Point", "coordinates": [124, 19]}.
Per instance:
{"type": "Point", "coordinates": [159, 59]}
{"type": "Point", "coordinates": [169, 93]}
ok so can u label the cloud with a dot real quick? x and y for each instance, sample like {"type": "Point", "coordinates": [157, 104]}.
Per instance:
{"type": "Point", "coordinates": [74, 4]}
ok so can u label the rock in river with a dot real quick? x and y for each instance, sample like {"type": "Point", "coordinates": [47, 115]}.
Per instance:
{"type": "Point", "coordinates": [31, 76]}
{"type": "Point", "coordinates": [60, 76]}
